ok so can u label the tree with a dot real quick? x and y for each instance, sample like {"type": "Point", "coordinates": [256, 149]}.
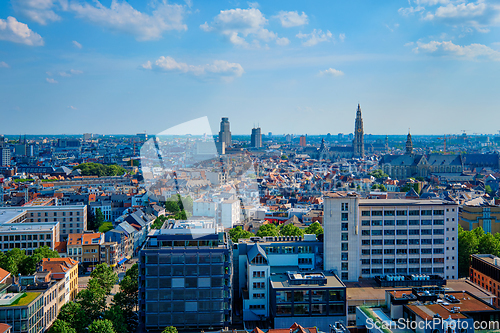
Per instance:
{"type": "Point", "coordinates": [128, 295]}
{"type": "Point", "coordinates": [170, 329]}
{"type": "Point", "coordinates": [28, 265]}
{"type": "Point", "coordinates": [60, 326]}
{"type": "Point", "coordinates": [181, 215]}
{"type": "Point", "coordinates": [92, 300]}
{"type": "Point", "coordinates": [238, 233]}
{"type": "Point", "coordinates": [159, 221]}
{"type": "Point", "coordinates": [467, 245]}
{"type": "Point", "coordinates": [172, 206]}
{"type": "Point", "coordinates": [378, 174]}
{"type": "Point", "coordinates": [268, 230]}
{"type": "Point", "coordinates": [91, 225]}
{"type": "Point", "coordinates": [73, 314]}
{"type": "Point", "coordinates": [101, 326]}
{"type": "Point", "coordinates": [105, 276]}
{"type": "Point", "coordinates": [12, 260]}
{"type": "Point", "coordinates": [284, 157]}
{"type": "Point", "coordinates": [100, 170]}
{"type": "Point", "coordinates": [314, 228]}
{"type": "Point", "coordinates": [99, 219]}
{"type": "Point", "coordinates": [408, 186]}
{"type": "Point", "coordinates": [488, 244]}
{"type": "Point", "coordinates": [116, 315]}
{"type": "Point", "coordinates": [291, 230]}
{"type": "Point", "coordinates": [488, 190]}
{"type": "Point", "coordinates": [381, 187]}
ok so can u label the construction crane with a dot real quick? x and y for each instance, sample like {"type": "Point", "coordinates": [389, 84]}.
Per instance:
{"type": "Point", "coordinates": [444, 138]}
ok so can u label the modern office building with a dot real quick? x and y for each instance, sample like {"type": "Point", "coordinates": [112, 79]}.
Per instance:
{"type": "Point", "coordinates": [256, 138]}
{"type": "Point", "coordinates": [378, 237]}
{"type": "Point", "coordinates": [258, 259]}
{"type": "Point", "coordinates": [307, 298]}
{"type": "Point", "coordinates": [23, 311]}
{"type": "Point", "coordinates": [225, 132]}
{"type": "Point", "coordinates": [71, 218]}
{"type": "Point", "coordinates": [16, 233]}
{"type": "Point", "coordinates": [4, 156]}
{"type": "Point", "coordinates": [185, 280]}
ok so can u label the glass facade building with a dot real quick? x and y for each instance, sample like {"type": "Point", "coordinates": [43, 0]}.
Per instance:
{"type": "Point", "coordinates": [185, 281]}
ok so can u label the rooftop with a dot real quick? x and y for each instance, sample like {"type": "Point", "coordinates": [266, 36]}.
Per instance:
{"type": "Point", "coordinates": [23, 300]}
{"type": "Point", "coordinates": [310, 280]}
{"type": "Point", "coordinates": [24, 227]}
{"type": "Point", "coordinates": [7, 215]}
{"type": "Point", "coordinates": [489, 258]}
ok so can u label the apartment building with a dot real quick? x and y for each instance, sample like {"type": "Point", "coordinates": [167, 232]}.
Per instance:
{"type": "Point", "coordinates": [377, 237]}
{"type": "Point", "coordinates": [185, 280]}
{"type": "Point", "coordinates": [86, 249]}
{"type": "Point", "coordinates": [15, 233]}
{"type": "Point", "coordinates": [63, 269]}
{"type": "Point", "coordinates": [72, 219]}
{"type": "Point", "coordinates": [24, 312]}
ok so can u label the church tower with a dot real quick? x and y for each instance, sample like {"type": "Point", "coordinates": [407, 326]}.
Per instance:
{"type": "Point", "coordinates": [358, 142]}
{"type": "Point", "coordinates": [409, 144]}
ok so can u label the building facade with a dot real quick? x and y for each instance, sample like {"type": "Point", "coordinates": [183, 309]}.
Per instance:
{"type": "Point", "coordinates": [185, 280]}
{"type": "Point", "coordinates": [485, 272]}
{"type": "Point", "coordinates": [256, 138]}
{"type": "Point", "coordinates": [480, 213]}
{"type": "Point", "coordinates": [359, 141]}
{"type": "Point", "coordinates": [377, 237]}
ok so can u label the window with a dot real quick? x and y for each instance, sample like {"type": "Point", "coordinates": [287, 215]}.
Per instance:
{"type": "Point", "coordinates": [345, 246]}
{"type": "Point", "coordinates": [413, 232]}
{"type": "Point", "coordinates": [402, 241]}
{"type": "Point", "coordinates": [414, 251]}
{"type": "Point", "coordinates": [345, 276]}
{"type": "Point", "coordinates": [376, 223]}
{"type": "Point", "coordinates": [438, 251]}
{"type": "Point", "coordinates": [376, 261]}
{"type": "Point", "coordinates": [438, 222]}
{"type": "Point", "coordinates": [426, 232]}
{"type": "Point", "coordinates": [438, 231]}
{"type": "Point", "coordinates": [344, 236]}
{"type": "Point", "coordinates": [388, 251]}
{"type": "Point", "coordinates": [439, 212]}
{"type": "Point", "coordinates": [365, 223]}
{"type": "Point", "coordinates": [365, 213]}
{"type": "Point", "coordinates": [414, 213]}
{"type": "Point", "coordinates": [389, 222]}
{"type": "Point", "coordinates": [439, 241]}
{"type": "Point", "coordinates": [376, 242]}
{"type": "Point", "coordinates": [365, 242]}
{"type": "Point", "coordinates": [376, 232]}
{"type": "Point", "coordinates": [344, 256]}
{"type": "Point", "coordinates": [345, 216]}
{"type": "Point", "coordinates": [401, 232]}
{"type": "Point", "coordinates": [376, 251]}
{"type": "Point", "coordinates": [414, 241]}
{"type": "Point", "coordinates": [376, 213]}
{"type": "Point", "coordinates": [365, 261]}
{"type": "Point", "coordinates": [389, 261]}
{"type": "Point", "coordinates": [345, 226]}
{"type": "Point", "coordinates": [426, 212]}
{"type": "Point", "coordinates": [401, 222]}
{"type": "Point", "coordinates": [389, 213]}
{"type": "Point", "coordinates": [414, 222]}
{"type": "Point", "coordinates": [389, 241]}
{"type": "Point", "coordinates": [389, 232]}
{"type": "Point", "coordinates": [345, 206]}
{"type": "Point", "coordinates": [426, 222]}
{"type": "Point", "coordinates": [365, 252]}
{"type": "Point", "coordinates": [345, 266]}
{"type": "Point", "coordinates": [401, 213]}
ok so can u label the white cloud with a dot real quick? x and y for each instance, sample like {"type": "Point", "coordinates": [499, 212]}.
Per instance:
{"type": "Point", "coordinates": [14, 31]}
{"type": "Point", "coordinates": [469, 52]}
{"type": "Point", "coordinates": [222, 68]}
{"type": "Point", "coordinates": [282, 41]}
{"type": "Point", "coordinates": [331, 72]}
{"type": "Point", "coordinates": [40, 11]}
{"type": "Point", "coordinates": [478, 15]}
{"type": "Point", "coordinates": [238, 24]}
{"type": "Point", "coordinates": [122, 17]}
{"type": "Point", "coordinates": [50, 80]}
{"type": "Point", "coordinates": [342, 37]}
{"type": "Point", "coordinates": [69, 73]}
{"type": "Point", "coordinates": [292, 19]}
{"type": "Point", "coordinates": [76, 44]}
{"type": "Point", "coordinates": [3, 64]}
{"type": "Point", "coordinates": [315, 37]}
{"type": "Point", "coordinates": [72, 107]}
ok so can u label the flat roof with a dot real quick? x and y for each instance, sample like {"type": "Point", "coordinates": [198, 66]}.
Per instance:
{"type": "Point", "coordinates": [368, 289]}
{"type": "Point", "coordinates": [7, 215]}
{"type": "Point", "coordinates": [489, 258]}
{"type": "Point", "coordinates": [404, 202]}
{"type": "Point", "coordinates": [22, 227]}
{"type": "Point", "coordinates": [282, 281]}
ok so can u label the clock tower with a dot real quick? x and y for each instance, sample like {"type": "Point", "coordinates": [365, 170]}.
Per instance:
{"type": "Point", "coordinates": [358, 142]}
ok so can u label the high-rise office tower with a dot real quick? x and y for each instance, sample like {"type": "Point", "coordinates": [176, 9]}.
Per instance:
{"type": "Point", "coordinates": [302, 141]}
{"type": "Point", "coordinates": [358, 142]}
{"type": "Point", "coordinates": [256, 139]}
{"type": "Point", "coordinates": [225, 133]}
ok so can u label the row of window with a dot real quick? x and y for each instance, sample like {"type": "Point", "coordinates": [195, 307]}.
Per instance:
{"type": "Point", "coordinates": [392, 232]}
{"type": "Point", "coordinates": [411, 270]}
{"type": "Point", "coordinates": [392, 261]}
{"type": "Point", "coordinates": [411, 241]}
{"type": "Point", "coordinates": [416, 212]}
{"type": "Point", "coordinates": [28, 245]}
{"type": "Point", "coordinates": [55, 214]}
{"type": "Point", "coordinates": [378, 223]}
{"type": "Point", "coordinates": [26, 237]}
{"type": "Point", "coordinates": [63, 220]}
{"type": "Point", "coordinates": [367, 252]}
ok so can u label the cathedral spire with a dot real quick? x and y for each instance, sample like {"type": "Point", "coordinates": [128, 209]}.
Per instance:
{"type": "Point", "coordinates": [358, 142]}
{"type": "Point", "coordinates": [409, 144]}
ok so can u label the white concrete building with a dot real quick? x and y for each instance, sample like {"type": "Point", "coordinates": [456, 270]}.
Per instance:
{"type": "Point", "coordinates": [229, 213]}
{"type": "Point", "coordinates": [377, 237]}
{"type": "Point", "coordinates": [204, 208]}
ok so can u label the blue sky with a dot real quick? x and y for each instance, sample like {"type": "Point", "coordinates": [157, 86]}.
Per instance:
{"type": "Point", "coordinates": [75, 66]}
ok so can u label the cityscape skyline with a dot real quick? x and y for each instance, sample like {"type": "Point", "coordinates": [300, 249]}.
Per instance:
{"type": "Point", "coordinates": [428, 65]}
